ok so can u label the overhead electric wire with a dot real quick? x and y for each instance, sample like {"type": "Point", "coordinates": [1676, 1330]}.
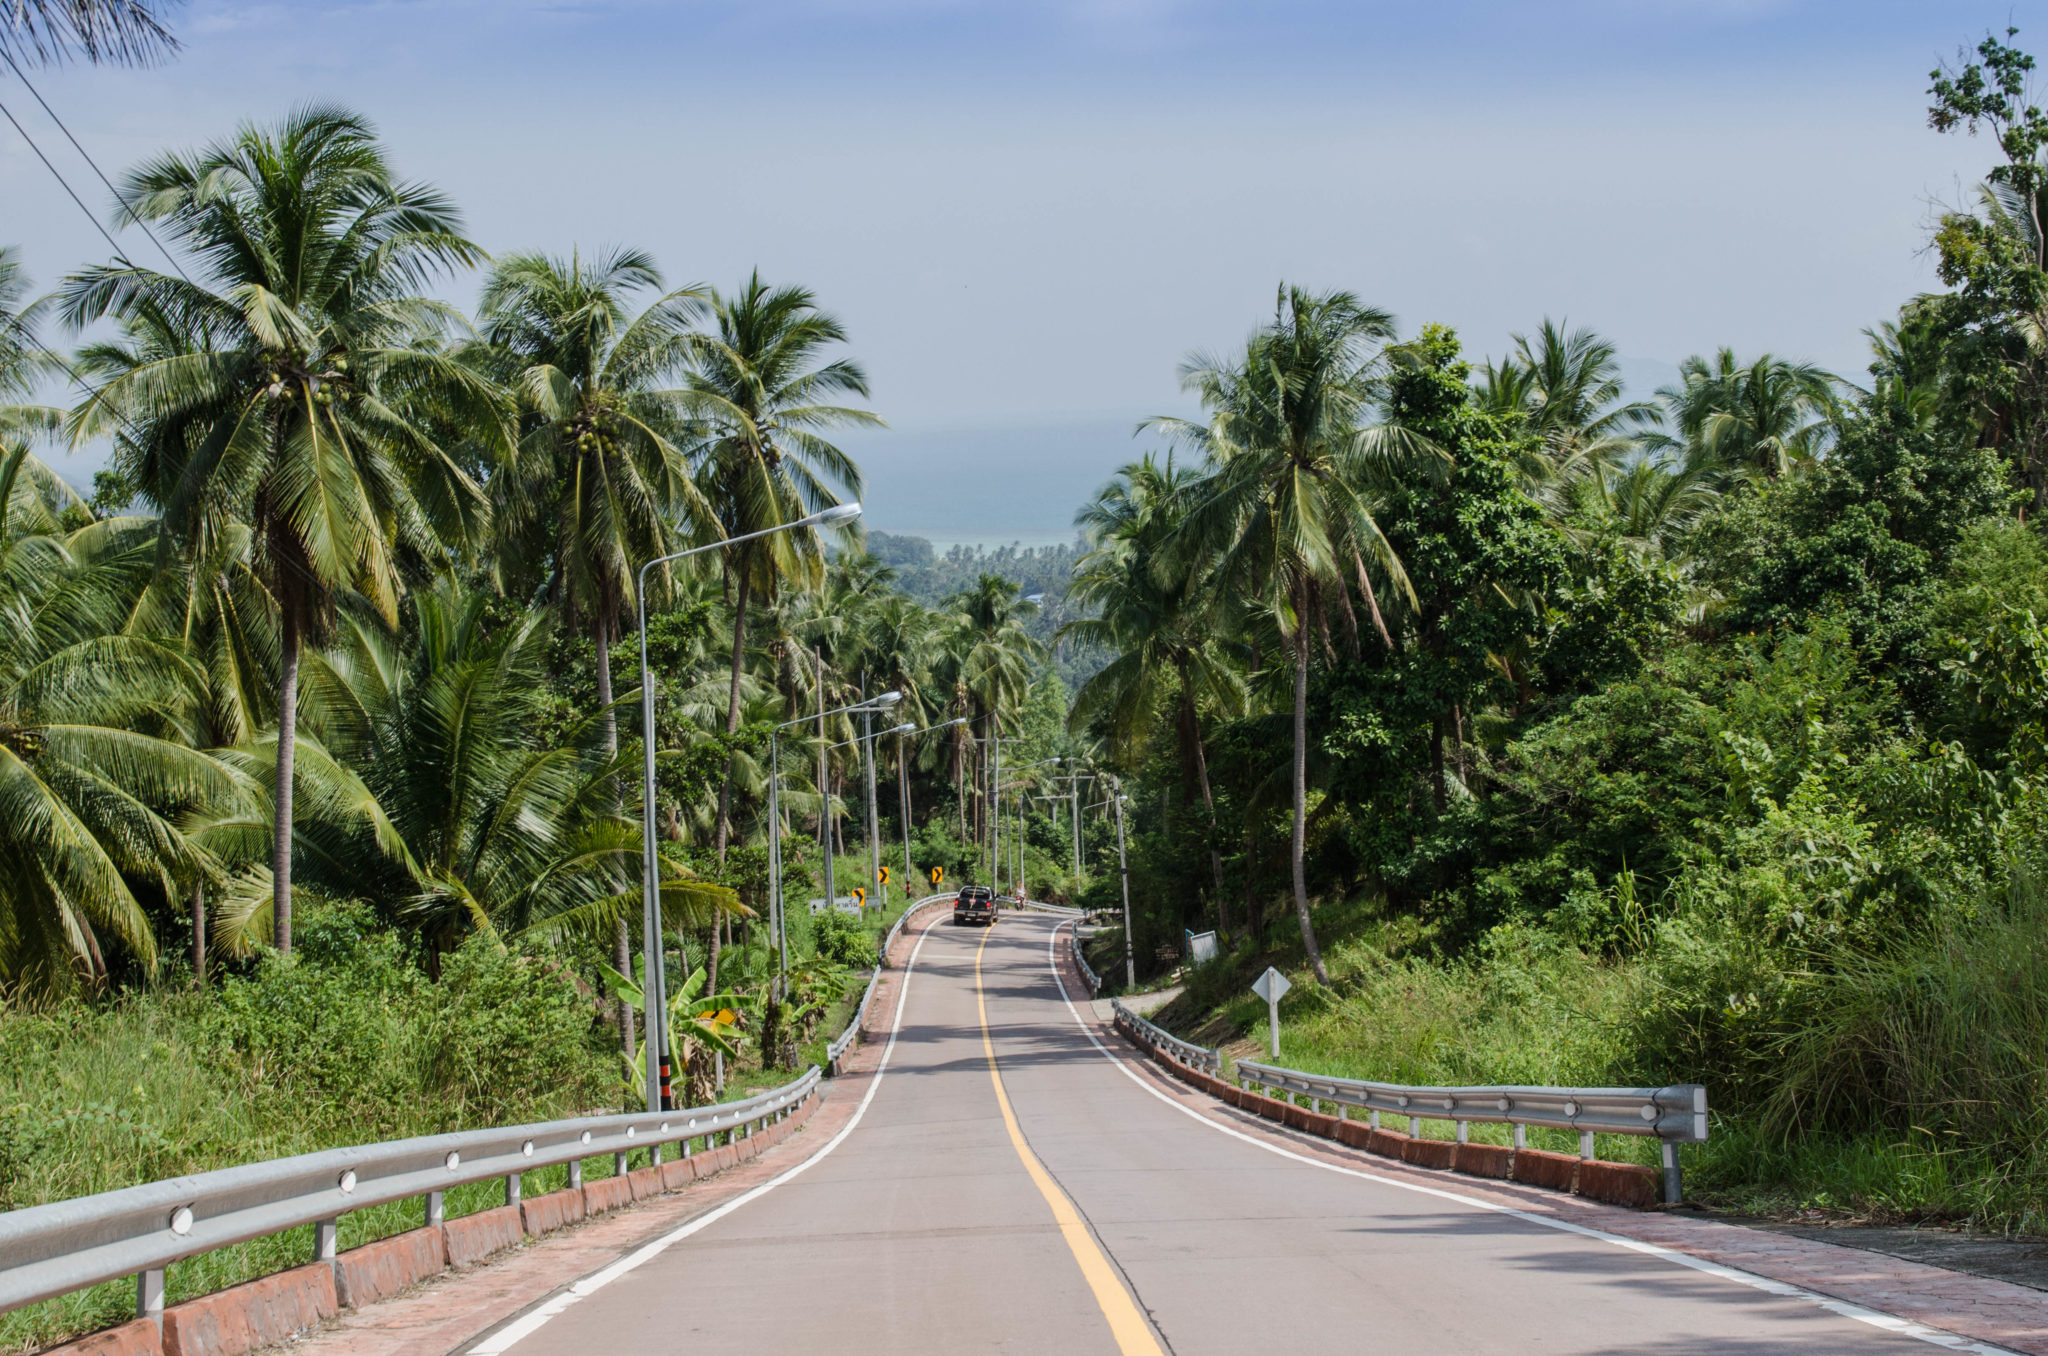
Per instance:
{"type": "Point", "coordinates": [86, 156]}
{"type": "Point", "coordinates": [67, 187]}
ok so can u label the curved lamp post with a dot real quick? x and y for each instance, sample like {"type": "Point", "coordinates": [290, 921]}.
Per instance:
{"type": "Point", "coordinates": [650, 885]}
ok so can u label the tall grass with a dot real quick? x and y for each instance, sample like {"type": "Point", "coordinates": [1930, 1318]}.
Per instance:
{"type": "Point", "coordinates": [1908, 1083]}
{"type": "Point", "coordinates": [346, 1044]}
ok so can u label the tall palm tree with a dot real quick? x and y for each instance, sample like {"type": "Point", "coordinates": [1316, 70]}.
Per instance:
{"type": "Point", "coordinates": [599, 482]}
{"type": "Point", "coordinates": [1153, 610]}
{"type": "Point", "coordinates": [758, 382]}
{"type": "Point", "coordinates": [1566, 385]}
{"type": "Point", "coordinates": [103, 32]}
{"type": "Point", "coordinates": [1285, 507]}
{"type": "Point", "coordinates": [1761, 418]}
{"type": "Point", "coordinates": [298, 409]}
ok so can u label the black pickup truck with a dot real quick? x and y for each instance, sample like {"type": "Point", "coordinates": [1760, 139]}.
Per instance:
{"type": "Point", "coordinates": [975, 904]}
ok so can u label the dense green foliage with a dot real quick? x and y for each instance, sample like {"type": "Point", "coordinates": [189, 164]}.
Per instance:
{"type": "Point", "coordinates": [1695, 738]}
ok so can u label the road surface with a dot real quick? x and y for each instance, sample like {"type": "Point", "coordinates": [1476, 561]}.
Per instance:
{"type": "Point", "coordinates": [1008, 1187]}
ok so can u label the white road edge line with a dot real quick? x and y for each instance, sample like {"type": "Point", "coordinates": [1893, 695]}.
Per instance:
{"type": "Point", "coordinates": [512, 1333]}
{"type": "Point", "coordinates": [1888, 1322]}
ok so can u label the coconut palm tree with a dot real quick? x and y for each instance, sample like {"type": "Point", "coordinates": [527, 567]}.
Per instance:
{"type": "Point", "coordinates": [1285, 505]}
{"type": "Point", "coordinates": [488, 830]}
{"type": "Point", "coordinates": [299, 405]}
{"type": "Point", "coordinates": [95, 781]}
{"type": "Point", "coordinates": [103, 32]}
{"type": "Point", "coordinates": [1762, 418]}
{"type": "Point", "coordinates": [1153, 610]}
{"type": "Point", "coordinates": [758, 382]}
{"type": "Point", "coordinates": [599, 482]}
{"type": "Point", "coordinates": [1566, 385]}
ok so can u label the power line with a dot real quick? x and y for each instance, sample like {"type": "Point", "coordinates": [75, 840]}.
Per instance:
{"type": "Point", "coordinates": [67, 187]}
{"type": "Point", "coordinates": [118, 197]}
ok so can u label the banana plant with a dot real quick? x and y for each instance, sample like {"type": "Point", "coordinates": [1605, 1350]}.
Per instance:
{"type": "Point", "coordinates": [705, 1021]}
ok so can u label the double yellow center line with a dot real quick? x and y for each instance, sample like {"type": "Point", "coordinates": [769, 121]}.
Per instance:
{"type": "Point", "coordinates": [1133, 1334]}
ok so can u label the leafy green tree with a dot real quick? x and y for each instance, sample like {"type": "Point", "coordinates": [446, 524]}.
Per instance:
{"type": "Point", "coordinates": [298, 403]}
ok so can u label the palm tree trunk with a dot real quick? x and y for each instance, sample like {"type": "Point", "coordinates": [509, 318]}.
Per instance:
{"type": "Point", "coordinates": [287, 751]}
{"type": "Point", "coordinates": [1215, 854]}
{"type": "Point", "coordinates": [732, 710]}
{"type": "Point", "coordinates": [199, 934]}
{"type": "Point", "coordinates": [1436, 764]}
{"type": "Point", "coordinates": [1308, 930]}
{"type": "Point", "coordinates": [622, 939]}
{"type": "Point", "coordinates": [903, 790]}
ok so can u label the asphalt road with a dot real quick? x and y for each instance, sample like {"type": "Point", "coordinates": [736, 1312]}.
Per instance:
{"type": "Point", "coordinates": [1062, 1207]}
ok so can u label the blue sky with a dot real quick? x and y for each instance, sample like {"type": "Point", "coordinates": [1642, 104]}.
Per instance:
{"type": "Point", "coordinates": [1027, 213]}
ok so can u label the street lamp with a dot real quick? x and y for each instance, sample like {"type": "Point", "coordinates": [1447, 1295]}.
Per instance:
{"type": "Point", "coordinates": [775, 903]}
{"type": "Point", "coordinates": [650, 888]}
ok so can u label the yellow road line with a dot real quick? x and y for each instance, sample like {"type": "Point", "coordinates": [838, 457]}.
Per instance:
{"type": "Point", "coordinates": [1133, 1334]}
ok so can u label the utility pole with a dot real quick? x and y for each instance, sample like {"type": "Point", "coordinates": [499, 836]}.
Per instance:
{"type": "Point", "coordinates": [874, 829]}
{"type": "Point", "coordinates": [1116, 798]}
{"type": "Point", "coordinates": [995, 814]}
{"type": "Point", "coordinates": [824, 785]}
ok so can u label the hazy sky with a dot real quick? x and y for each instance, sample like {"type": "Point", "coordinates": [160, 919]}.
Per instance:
{"type": "Point", "coordinates": [1027, 213]}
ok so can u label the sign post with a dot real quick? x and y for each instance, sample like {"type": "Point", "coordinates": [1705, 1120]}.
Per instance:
{"type": "Point", "coordinates": [1271, 986]}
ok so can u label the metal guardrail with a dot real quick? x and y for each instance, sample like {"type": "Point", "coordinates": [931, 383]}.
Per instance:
{"type": "Point", "coordinates": [1194, 1056]}
{"type": "Point", "coordinates": [1087, 972]}
{"type": "Point", "coordinates": [1674, 1115]}
{"type": "Point", "coordinates": [54, 1249]}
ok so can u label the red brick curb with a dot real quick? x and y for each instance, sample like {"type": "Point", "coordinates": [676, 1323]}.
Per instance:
{"type": "Point", "coordinates": [379, 1270]}
{"type": "Point", "coordinates": [2000, 1313]}
{"type": "Point", "coordinates": [139, 1338]}
{"type": "Point", "coordinates": [251, 1315]}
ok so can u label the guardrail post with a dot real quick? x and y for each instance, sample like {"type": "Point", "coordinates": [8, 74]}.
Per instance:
{"type": "Point", "coordinates": [1415, 1127]}
{"type": "Point", "coordinates": [654, 1154]}
{"type": "Point", "coordinates": [437, 1209]}
{"type": "Point", "coordinates": [149, 1295]}
{"type": "Point", "coordinates": [324, 1232]}
{"type": "Point", "coordinates": [1372, 1117]}
{"type": "Point", "coordinates": [1585, 1143]}
{"type": "Point", "coordinates": [511, 1188]}
{"type": "Point", "coordinates": [1464, 1132]}
{"type": "Point", "coordinates": [1673, 1187]}
{"type": "Point", "coordinates": [618, 1165]}
{"type": "Point", "coordinates": [575, 1174]}
{"type": "Point", "coordinates": [1521, 1136]}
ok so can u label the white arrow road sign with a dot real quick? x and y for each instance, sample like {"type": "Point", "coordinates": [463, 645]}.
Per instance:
{"type": "Point", "coordinates": [1272, 986]}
